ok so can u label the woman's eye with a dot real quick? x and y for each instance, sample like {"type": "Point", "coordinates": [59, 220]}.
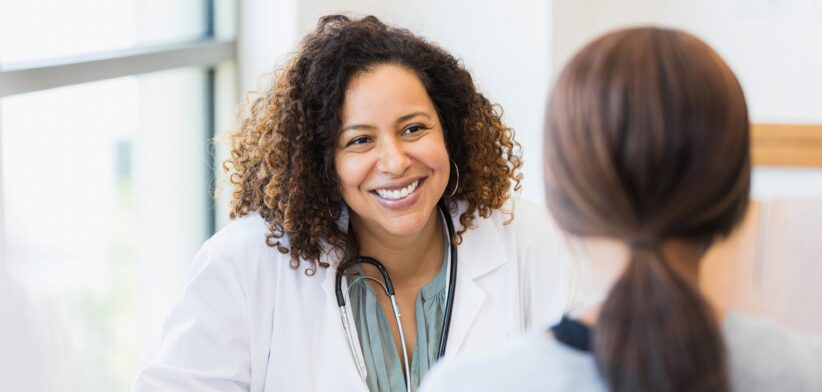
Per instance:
{"type": "Point", "coordinates": [413, 129]}
{"type": "Point", "coordinates": [359, 140]}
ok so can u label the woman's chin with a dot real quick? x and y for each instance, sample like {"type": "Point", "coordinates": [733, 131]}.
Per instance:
{"type": "Point", "coordinates": [406, 225]}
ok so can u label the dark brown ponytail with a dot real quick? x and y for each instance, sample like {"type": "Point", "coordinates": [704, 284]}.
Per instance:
{"type": "Point", "coordinates": [647, 141]}
{"type": "Point", "coordinates": [656, 333]}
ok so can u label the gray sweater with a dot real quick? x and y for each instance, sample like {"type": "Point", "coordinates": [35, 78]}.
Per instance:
{"type": "Point", "coordinates": [763, 357]}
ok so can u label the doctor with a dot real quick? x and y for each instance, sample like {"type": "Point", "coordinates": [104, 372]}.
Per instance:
{"type": "Point", "coordinates": [372, 166]}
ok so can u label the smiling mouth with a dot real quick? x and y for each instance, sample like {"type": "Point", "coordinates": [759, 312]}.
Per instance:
{"type": "Point", "coordinates": [398, 193]}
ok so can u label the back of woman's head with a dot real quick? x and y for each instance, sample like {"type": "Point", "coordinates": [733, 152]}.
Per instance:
{"type": "Point", "coordinates": [646, 141]}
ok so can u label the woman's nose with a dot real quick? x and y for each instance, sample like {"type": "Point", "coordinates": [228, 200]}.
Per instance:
{"type": "Point", "coordinates": [393, 157]}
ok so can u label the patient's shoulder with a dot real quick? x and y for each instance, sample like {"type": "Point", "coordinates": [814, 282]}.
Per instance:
{"type": "Point", "coordinates": [765, 355]}
{"type": "Point", "coordinates": [533, 362]}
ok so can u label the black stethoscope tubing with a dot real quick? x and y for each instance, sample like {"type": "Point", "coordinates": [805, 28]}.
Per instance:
{"type": "Point", "coordinates": [389, 285]}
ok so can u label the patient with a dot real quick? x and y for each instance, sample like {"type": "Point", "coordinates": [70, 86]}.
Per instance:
{"type": "Point", "coordinates": [647, 163]}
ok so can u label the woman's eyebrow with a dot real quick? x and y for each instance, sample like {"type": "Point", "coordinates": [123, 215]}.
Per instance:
{"type": "Point", "coordinates": [412, 115]}
{"type": "Point", "coordinates": [358, 126]}
{"type": "Point", "coordinates": [402, 118]}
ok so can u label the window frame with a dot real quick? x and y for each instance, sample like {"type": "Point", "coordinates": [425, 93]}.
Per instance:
{"type": "Point", "coordinates": [207, 52]}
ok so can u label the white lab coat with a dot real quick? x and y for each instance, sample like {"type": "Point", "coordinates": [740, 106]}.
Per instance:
{"type": "Point", "coordinates": [247, 322]}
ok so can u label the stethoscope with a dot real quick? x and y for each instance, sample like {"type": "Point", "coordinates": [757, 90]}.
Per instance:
{"type": "Point", "coordinates": [388, 286]}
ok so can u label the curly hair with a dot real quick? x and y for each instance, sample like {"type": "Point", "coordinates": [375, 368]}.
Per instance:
{"type": "Point", "coordinates": [282, 155]}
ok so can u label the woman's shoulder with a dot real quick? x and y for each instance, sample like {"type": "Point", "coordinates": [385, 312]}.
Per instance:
{"type": "Point", "coordinates": [248, 231]}
{"type": "Point", "coordinates": [538, 254]}
{"type": "Point", "coordinates": [241, 246]}
{"type": "Point", "coordinates": [529, 215]}
{"type": "Point", "coordinates": [520, 215]}
{"type": "Point", "coordinates": [765, 355]}
{"type": "Point", "coordinates": [531, 362]}
{"type": "Point", "coordinates": [524, 224]}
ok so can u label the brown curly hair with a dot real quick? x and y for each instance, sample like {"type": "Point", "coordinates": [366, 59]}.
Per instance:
{"type": "Point", "coordinates": [282, 155]}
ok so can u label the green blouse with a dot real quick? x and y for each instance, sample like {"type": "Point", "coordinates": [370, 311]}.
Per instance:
{"type": "Point", "coordinates": [382, 360]}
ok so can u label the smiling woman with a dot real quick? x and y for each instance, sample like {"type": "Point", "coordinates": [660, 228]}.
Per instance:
{"type": "Point", "coordinates": [392, 162]}
{"type": "Point", "coordinates": [353, 168]}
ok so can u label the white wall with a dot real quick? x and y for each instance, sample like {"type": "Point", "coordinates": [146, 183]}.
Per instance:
{"type": "Point", "coordinates": [773, 46]}
{"type": "Point", "coordinates": [266, 31]}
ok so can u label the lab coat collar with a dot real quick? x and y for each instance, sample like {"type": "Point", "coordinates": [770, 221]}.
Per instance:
{"type": "Point", "coordinates": [481, 250]}
{"type": "Point", "coordinates": [480, 253]}
{"type": "Point", "coordinates": [481, 263]}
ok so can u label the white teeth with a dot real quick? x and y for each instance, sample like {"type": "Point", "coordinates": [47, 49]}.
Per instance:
{"type": "Point", "coordinates": [395, 194]}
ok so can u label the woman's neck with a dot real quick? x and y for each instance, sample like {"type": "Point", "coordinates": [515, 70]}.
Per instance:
{"type": "Point", "coordinates": [609, 258]}
{"type": "Point", "coordinates": [411, 260]}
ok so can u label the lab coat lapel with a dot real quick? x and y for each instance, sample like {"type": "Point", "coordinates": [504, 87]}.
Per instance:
{"type": "Point", "coordinates": [346, 369]}
{"type": "Point", "coordinates": [481, 252]}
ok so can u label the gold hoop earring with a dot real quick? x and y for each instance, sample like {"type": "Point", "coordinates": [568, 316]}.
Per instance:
{"type": "Point", "coordinates": [457, 182]}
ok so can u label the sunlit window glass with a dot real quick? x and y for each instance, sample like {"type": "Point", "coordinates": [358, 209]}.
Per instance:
{"type": "Point", "coordinates": [41, 29]}
{"type": "Point", "coordinates": [106, 202]}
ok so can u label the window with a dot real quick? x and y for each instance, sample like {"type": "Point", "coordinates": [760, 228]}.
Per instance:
{"type": "Point", "coordinates": [107, 110]}
{"type": "Point", "coordinates": [42, 29]}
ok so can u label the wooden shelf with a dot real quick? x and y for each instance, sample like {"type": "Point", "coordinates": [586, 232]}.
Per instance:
{"type": "Point", "coordinates": [786, 145]}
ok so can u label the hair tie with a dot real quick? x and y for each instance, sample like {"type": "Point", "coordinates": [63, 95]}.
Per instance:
{"type": "Point", "coordinates": [643, 244]}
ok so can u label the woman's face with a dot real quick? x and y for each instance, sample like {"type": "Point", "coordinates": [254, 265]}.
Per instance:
{"type": "Point", "coordinates": [391, 157]}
